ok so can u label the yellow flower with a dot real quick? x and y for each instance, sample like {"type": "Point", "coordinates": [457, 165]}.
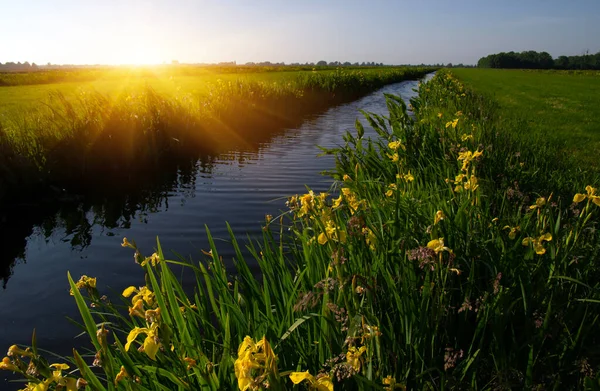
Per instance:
{"type": "Point", "coordinates": [439, 115]}
{"type": "Point", "coordinates": [253, 356]}
{"type": "Point", "coordinates": [268, 218]}
{"type": "Point", "coordinates": [331, 232]}
{"type": "Point", "coordinates": [85, 282]}
{"type": "Point", "coordinates": [394, 157]}
{"type": "Point", "coordinates": [353, 357]}
{"type": "Point", "coordinates": [346, 178]}
{"type": "Point", "coordinates": [7, 365]}
{"type": "Point", "coordinates": [68, 383]}
{"type": "Point", "coordinates": [15, 351]}
{"type": "Point", "coordinates": [151, 343]}
{"type": "Point", "coordinates": [307, 202]}
{"type": "Point", "coordinates": [471, 184]}
{"type": "Point", "coordinates": [322, 239]}
{"type": "Point", "coordinates": [121, 375]}
{"type": "Point", "coordinates": [437, 245]}
{"type": "Point", "coordinates": [439, 215]}
{"type": "Point", "coordinates": [538, 243]}
{"type": "Point", "coordinates": [394, 145]}
{"type": "Point", "coordinates": [351, 200]}
{"type": "Point", "coordinates": [323, 383]}
{"type": "Point", "coordinates": [539, 203]}
{"type": "Point", "coordinates": [142, 294]}
{"type": "Point", "coordinates": [408, 177]}
{"type": "Point", "coordinates": [337, 202]}
{"type": "Point", "coordinates": [126, 243]}
{"type": "Point", "coordinates": [391, 384]}
{"type": "Point", "coordinates": [37, 387]}
{"type": "Point", "coordinates": [154, 259]}
{"type": "Point", "coordinates": [512, 231]}
{"type": "Point", "coordinates": [391, 188]}
{"type": "Point", "coordinates": [370, 237]}
{"type": "Point", "coordinates": [467, 157]}
{"type": "Point", "coordinates": [466, 137]}
{"type": "Point", "coordinates": [452, 123]}
{"type": "Point", "coordinates": [190, 362]}
{"type": "Point", "coordinates": [591, 195]}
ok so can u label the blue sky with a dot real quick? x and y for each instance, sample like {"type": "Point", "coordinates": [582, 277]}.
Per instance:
{"type": "Point", "coordinates": [392, 32]}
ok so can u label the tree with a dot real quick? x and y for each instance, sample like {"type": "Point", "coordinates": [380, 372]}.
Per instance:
{"type": "Point", "coordinates": [322, 63]}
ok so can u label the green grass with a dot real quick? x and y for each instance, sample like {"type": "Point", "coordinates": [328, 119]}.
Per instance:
{"type": "Point", "coordinates": [15, 99]}
{"type": "Point", "coordinates": [448, 255]}
{"type": "Point", "coordinates": [561, 107]}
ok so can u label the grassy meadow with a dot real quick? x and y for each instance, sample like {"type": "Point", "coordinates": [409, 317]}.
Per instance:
{"type": "Point", "coordinates": [450, 253]}
{"type": "Point", "coordinates": [556, 106]}
{"type": "Point", "coordinates": [81, 131]}
{"type": "Point", "coordinates": [28, 90]}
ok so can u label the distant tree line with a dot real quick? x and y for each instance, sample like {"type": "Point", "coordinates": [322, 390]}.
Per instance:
{"type": "Point", "coordinates": [18, 67]}
{"type": "Point", "coordinates": [539, 60]}
{"type": "Point", "coordinates": [321, 63]}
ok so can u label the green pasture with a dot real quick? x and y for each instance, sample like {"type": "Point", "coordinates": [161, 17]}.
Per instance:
{"type": "Point", "coordinates": [560, 107]}
{"type": "Point", "coordinates": [15, 99]}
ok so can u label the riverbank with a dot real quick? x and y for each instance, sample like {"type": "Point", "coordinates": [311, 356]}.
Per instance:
{"type": "Point", "coordinates": [426, 270]}
{"type": "Point", "coordinates": [97, 141]}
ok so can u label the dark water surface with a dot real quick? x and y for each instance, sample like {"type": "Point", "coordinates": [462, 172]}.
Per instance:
{"type": "Point", "coordinates": [239, 187]}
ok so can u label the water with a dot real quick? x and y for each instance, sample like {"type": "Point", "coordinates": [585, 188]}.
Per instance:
{"type": "Point", "coordinates": [239, 187]}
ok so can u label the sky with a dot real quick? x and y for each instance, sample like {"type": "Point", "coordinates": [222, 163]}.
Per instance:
{"type": "Point", "coordinates": [208, 31]}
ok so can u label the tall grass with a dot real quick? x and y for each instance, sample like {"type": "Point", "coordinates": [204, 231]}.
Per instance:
{"type": "Point", "coordinates": [420, 271]}
{"type": "Point", "coordinates": [93, 140]}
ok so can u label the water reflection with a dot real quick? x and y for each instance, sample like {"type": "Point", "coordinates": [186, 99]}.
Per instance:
{"type": "Point", "coordinates": [72, 219]}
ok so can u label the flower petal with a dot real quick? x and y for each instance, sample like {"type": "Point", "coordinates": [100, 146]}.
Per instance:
{"type": "Point", "coordinates": [298, 377]}
{"type": "Point", "coordinates": [129, 291]}
{"type": "Point", "coordinates": [578, 198]}
{"type": "Point", "coordinates": [150, 347]}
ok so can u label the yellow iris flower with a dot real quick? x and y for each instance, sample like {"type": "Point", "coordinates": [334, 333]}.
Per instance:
{"type": "Point", "coordinates": [467, 157]}
{"type": "Point", "coordinates": [353, 357]}
{"type": "Point", "coordinates": [591, 195]}
{"type": "Point", "coordinates": [538, 243]}
{"type": "Point", "coordinates": [391, 188]}
{"type": "Point", "coordinates": [7, 365]}
{"type": "Point", "coordinates": [439, 215]}
{"type": "Point", "coordinates": [253, 356]}
{"type": "Point", "coordinates": [323, 383]}
{"type": "Point", "coordinates": [452, 123]}
{"type": "Point", "coordinates": [85, 282]}
{"type": "Point", "coordinates": [154, 259]}
{"type": "Point", "coordinates": [121, 375]}
{"type": "Point", "coordinates": [512, 231]}
{"type": "Point", "coordinates": [437, 245]}
{"type": "Point", "coordinates": [395, 145]}
{"type": "Point", "coordinates": [151, 343]}
{"type": "Point", "coordinates": [539, 203]}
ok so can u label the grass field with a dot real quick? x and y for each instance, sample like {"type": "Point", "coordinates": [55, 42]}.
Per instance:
{"type": "Point", "coordinates": [16, 98]}
{"type": "Point", "coordinates": [448, 256]}
{"type": "Point", "coordinates": [560, 107]}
